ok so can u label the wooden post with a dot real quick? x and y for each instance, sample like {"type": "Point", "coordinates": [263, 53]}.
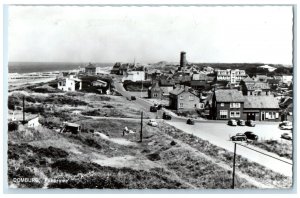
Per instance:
{"type": "Point", "coordinates": [233, 171]}
{"type": "Point", "coordinates": [141, 133]}
{"type": "Point", "coordinates": [23, 109]}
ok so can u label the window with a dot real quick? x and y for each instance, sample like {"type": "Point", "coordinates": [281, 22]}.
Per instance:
{"type": "Point", "coordinates": [155, 95]}
{"type": "Point", "coordinates": [223, 114]}
{"type": "Point", "coordinates": [180, 105]}
{"type": "Point", "coordinates": [222, 104]}
{"type": "Point", "coordinates": [181, 97]}
{"type": "Point", "coordinates": [191, 97]}
{"type": "Point", "coordinates": [235, 105]}
{"type": "Point", "coordinates": [234, 114]}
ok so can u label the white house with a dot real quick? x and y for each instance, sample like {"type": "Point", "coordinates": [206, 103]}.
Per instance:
{"type": "Point", "coordinates": [233, 76]}
{"type": "Point", "coordinates": [33, 122]}
{"type": "Point", "coordinates": [134, 76]}
{"type": "Point", "coordinates": [69, 83]}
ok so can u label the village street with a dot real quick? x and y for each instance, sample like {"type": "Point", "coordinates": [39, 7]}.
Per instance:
{"type": "Point", "coordinates": [218, 133]}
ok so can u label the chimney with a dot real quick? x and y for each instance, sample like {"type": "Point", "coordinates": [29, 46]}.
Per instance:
{"type": "Point", "coordinates": [23, 109]}
{"type": "Point", "coordinates": [186, 88]}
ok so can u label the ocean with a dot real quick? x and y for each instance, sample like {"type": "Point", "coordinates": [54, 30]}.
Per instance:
{"type": "Point", "coordinates": [31, 67]}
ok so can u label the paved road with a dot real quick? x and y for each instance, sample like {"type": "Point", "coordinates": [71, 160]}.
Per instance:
{"type": "Point", "coordinates": [218, 133]}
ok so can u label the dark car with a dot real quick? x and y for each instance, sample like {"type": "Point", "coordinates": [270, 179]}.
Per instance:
{"type": "Point", "coordinates": [250, 123]}
{"type": "Point", "coordinates": [251, 136]}
{"type": "Point", "coordinates": [286, 136]}
{"type": "Point", "coordinates": [239, 137]}
{"type": "Point", "coordinates": [241, 122]}
{"type": "Point", "coordinates": [190, 121]}
{"type": "Point", "coordinates": [153, 109]}
{"type": "Point", "coordinates": [166, 116]}
{"type": "Point", "coordinates": [133, 98]}
{"type": "Point", "coordinates": [232, 122]}
{"type": "Point", "coordinates": [159, 107]}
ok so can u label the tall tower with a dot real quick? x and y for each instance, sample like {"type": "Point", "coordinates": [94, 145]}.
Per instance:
{"type": "Point", "coordinates": [182, 59]}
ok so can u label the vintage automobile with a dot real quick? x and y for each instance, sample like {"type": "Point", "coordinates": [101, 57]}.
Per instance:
{"type": "Point", "coordinates": [241, 122]}
{"type": "Point", "coordinates": [250, 123]}
{"type": "Point", "coordinates": [166, 116]}
{"type": "Point", "coordinates": [190, 121]}
{"type": "Point", "coordinates": [251, 136]}
{"type": "Point", "coordinates": [286, 136]}
{"type": "Point", "coordinates": [152, 123]}
{"type": "Point", "coordinates": [232, 122]}
{"type": "Point", "coordinates": [286, 125]}
{"type": "Point", "coordinates": [133, 98]}
{"type": "Point", "coordinates": [153, 109]}
{"type": "Point", "coordinates": [239, 137]}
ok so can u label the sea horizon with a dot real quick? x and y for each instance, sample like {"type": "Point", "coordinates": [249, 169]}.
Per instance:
{"type": "Point", "coordinates": [31, 67]}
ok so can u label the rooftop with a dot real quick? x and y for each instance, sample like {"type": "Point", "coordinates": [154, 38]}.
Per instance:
{"type": "Point", "coordinates": [229, 95]}
{"type": "Point", "coordinates": [90, 66]}
{"type": "Point", "coordinates": [261, 102]}
{"type": "Point", "coordinates": [258, 85]}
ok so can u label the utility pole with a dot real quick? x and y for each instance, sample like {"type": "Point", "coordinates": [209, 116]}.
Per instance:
{"type": "Point", "coordinates": [141, 133]}
{"type": "Point", "coordinates": [233, 171]}
{"type": "Point", "coordinates": [142, 89]}
{"type": "Point", "coordinates": [23, 109]}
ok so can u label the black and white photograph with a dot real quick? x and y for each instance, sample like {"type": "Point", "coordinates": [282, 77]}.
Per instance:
{"type": "Point", "coordinates": [150, 97]}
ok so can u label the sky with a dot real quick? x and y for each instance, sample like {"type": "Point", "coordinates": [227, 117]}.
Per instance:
{"type": "Point", "coordinates": [240, 34]}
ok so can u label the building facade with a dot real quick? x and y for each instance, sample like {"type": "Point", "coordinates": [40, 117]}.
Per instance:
{"type": "Point", "coordinates": [182, 97]}
{"type": "Point", "coordinates": [155, 91]}
{"type": "Point", "coordinates": [227, 104]}
{"type": "Point", "coordinates": [69, 83]}
{"type": "Point", "coordinates": [232, 76]}
{"type": "Point", "coordinates": [90, 69]}
{"type": "Point", "coordinates": [134, 76]}
{"type": "Point", "coordinates": [261, 108]}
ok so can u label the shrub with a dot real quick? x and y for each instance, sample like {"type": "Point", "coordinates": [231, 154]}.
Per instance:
{"type": "Point", "coordinates": [13, 102]}
{"type": "Point", "coordinates": [13, 126]}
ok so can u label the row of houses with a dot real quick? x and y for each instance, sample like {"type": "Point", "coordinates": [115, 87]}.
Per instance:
{"type": "Point", "coordinates": [232, 104]}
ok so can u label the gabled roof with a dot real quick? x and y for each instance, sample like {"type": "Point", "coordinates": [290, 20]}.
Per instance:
{"type": "Point", "coordinates": [257, 85]}
{"type": "Point", "coordinates": [273, 81]}
{"type": "Point", "coordinates": [166, 83]}
{"type": "Point", "coordinates": [198, 83]}
{"type": "Point", "coordinates": [248, 79]}
{"type": "Point", "coordinates": [200, 76]}
{"type": "Point", "coordinates": [261, 102]}
{"type": "Point", "coordinates": [229, 95]}
{"type": "Point", "coordinates": [177, 91]}
{"type": "Point", "coordinates": [155, 86]}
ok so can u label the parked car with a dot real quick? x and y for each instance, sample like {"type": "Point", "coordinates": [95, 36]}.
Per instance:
{"type": "Point", "coordinates": [153, 109]}
{"type": "Point", "coordinates": [133, 98]}
{"type": "Point", "coordinates": [159, 107]}
{"type": "Point", "coordinates": [286, 125]}
{"type": "Point", "coordinates": [152, 123]}
{"type": "Point", "coordinates": [232, 122]}
{"type": "Point", "coordinates": [251, 136]}
{"type": "Point", "coordinates": [166, 116]}
{"type": "Point", "coordinates": [250, 123]}
{"type": "Point", "coordinates": [286, 136]}
{"type": "Point", "coordinates": [241, 122]}
{"type": "Point", "coordinates": [239, 137]}
{"type": "Point", "coordinates": [190, 121]}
